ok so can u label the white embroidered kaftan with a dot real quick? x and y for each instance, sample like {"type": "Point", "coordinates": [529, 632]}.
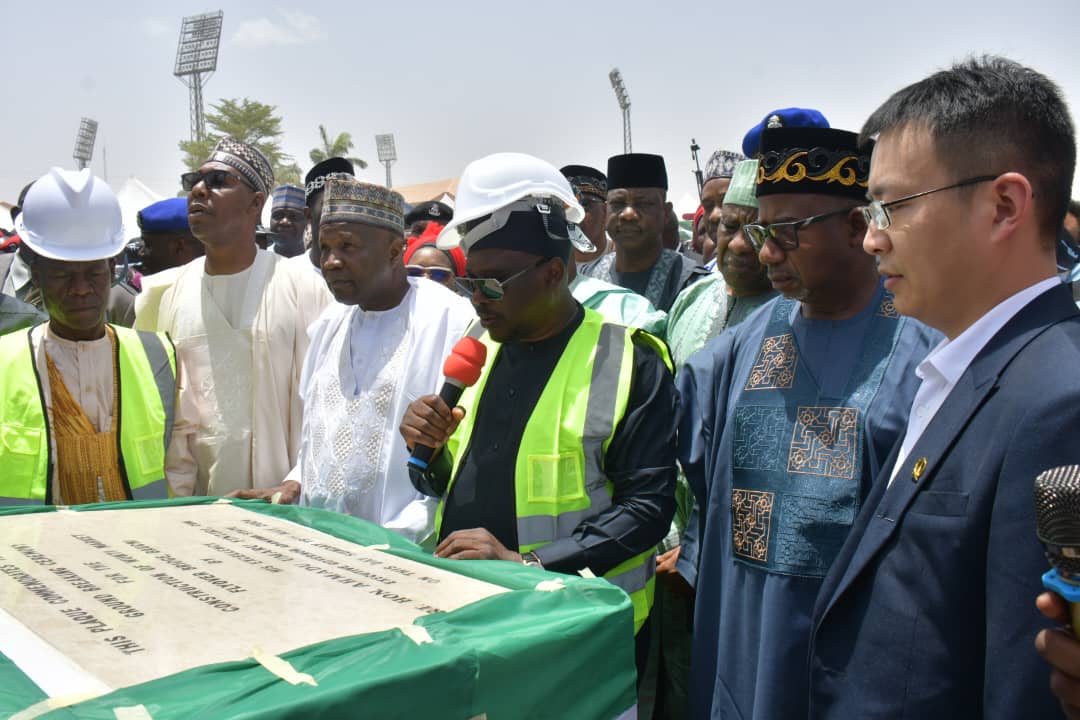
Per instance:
{"type": "Point", "coordinates": [362, 371]}
{"type": "Point", "coordinates": [243, 361]}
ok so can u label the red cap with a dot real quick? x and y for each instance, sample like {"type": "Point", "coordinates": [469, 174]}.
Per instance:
{"type": "Point", "coordinates": [465, 361]}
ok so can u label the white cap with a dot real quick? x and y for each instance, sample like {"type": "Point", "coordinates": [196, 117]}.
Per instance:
{"type": "Point", "coordinates": [71, 215]}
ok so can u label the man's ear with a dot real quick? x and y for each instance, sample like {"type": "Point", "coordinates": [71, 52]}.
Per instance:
{"type": "Point", "coordinates": [1013, 204]}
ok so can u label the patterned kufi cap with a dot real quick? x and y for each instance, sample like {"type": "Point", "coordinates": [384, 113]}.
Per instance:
{"type": "Point", "coordinates": [246, 159]}
{"type": "Point", "coordinates": [722, 164]}
{"type": "Point", "coordinates": [742, 188]}
{"type": "Point", "coordinates": [289, 196]}
{"type": "Point", "coordinates": [347, 200]}
{"type": "Point", "coordinates": [586, 180]}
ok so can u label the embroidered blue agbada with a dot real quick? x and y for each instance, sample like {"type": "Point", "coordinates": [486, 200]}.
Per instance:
{"type": "Point", "coordinates": [785, 423]}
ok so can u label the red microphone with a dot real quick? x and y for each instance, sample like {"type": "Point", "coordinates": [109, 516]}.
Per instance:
{"type": "Point", "coordinates": [462, 369]}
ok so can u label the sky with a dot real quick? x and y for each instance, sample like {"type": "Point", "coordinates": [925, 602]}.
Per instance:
{"type": "Point", "coordinates": [455, 82]}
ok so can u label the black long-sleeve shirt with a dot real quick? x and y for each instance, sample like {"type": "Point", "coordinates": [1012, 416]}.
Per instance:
{"type": "Point", "coordinates": [640, 460]}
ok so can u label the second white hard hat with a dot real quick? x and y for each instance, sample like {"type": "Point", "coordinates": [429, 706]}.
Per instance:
{"type": "Point", "coordinates": [503, 180]}
{"type": "Point", "coordinates": [71, 215]}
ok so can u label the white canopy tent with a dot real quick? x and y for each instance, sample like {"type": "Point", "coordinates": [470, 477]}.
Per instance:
{"type": "Point", "coordinates": [134, 195]}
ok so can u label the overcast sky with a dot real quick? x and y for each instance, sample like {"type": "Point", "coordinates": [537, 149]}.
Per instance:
{"type": "Point", "coordinates": [455, 81]}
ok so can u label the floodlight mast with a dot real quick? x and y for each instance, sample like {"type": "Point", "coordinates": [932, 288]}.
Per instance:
{"type": "Point", "coordinates": [384, 144]}
{"type": "Point", "coordinates": [196, 61]}
{"type": "Point", "coordinates": [624, 104]}
{"type": "Point", "coordinates": [84, 142]}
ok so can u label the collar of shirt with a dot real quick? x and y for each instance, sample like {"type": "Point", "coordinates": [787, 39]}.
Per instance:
{"type": "Point", "coordinates": [951, 357]}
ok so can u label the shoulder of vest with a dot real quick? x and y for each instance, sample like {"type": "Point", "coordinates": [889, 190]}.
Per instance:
{"type": "Point", "coordinates": [657, 345]}
{"type": "Point", "coordinates": [126, 334]}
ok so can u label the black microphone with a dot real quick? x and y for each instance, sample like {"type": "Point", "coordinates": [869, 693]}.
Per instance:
{"type": "Point", "coordinates": [461, 369]}
{"type": "Point", "coordinates": [1057, 523]}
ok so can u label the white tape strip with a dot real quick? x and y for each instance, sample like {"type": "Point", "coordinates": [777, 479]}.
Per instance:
{"type": "Point", "coordinates": [222, 501]}
{"type": "Point", "coordinates": [281, 668]}
{"type": "Point", "coordinates": [133, 712]}
{"type": "Point", "coordinates": [382, 546]}
{"type": "Point", "coordinates": [417, 633]}
{"type": "Point", "coordinates": [586, 573]}
{"type": "Point", "coordinates": [550, 585]}
{"type": "Point", "coordinates": [275, 499]}
{"type": "Point", "coordinates": [48, 705]}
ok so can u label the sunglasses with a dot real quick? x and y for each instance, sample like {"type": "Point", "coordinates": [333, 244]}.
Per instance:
{"type": "Point", "coordinates": [438, 274]}
{"type": "Point", "coordinates": [214, 179]}
{"type": "Point", "coordinates": [492, 288]}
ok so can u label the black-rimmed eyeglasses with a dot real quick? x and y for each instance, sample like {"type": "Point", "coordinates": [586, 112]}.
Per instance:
{"type": "Point", "coordinates": [785, 234]}
{"type": "Point", "coordinates": [877, 212]}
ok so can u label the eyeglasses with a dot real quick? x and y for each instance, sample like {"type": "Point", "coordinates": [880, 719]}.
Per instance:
{"type": "Point", "coordinates": [438, 274]}
{"type": "Point", "coordinates": [214, 179]}
{"type": "Point", "coordinates": [491, 288]}
{"type": "Point", "coordinates": [785, 234]}
{"type": "Point", "coordinates": [877, 212]}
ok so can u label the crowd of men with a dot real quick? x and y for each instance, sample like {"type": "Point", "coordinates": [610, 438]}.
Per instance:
{"type": "Point", "coordinates": [803, 444]}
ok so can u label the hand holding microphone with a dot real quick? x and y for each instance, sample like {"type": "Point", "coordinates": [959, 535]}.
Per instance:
{"type": "Point", "coordinates": [430, 420]}
{"type": "Point", "coordinates": [1057, 521]}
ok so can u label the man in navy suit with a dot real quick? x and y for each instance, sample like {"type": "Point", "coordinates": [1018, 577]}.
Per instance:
{"type": "Point", "coordinates": [928, 610]}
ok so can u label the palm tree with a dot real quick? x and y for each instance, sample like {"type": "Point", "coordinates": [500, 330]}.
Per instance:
{"type": "Point", "coordinates": [339, 147]}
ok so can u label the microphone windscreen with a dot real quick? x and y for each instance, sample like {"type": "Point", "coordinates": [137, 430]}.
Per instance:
{"type": "Point", "coordinates": [1057, 516]}
{"type": "Point", "coordinates": [465, 361]}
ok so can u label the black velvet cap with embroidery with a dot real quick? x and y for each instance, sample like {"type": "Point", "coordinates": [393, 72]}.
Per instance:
{"type": "Point", "coordinates": [822, 161]}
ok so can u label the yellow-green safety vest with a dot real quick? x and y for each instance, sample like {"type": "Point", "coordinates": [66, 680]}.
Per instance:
{"type": "Point", "coordinates": [147, 403]}
{"type": "Point", "coordinates": [559, 473]}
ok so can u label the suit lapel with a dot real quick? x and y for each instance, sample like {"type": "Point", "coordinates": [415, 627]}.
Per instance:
{"type": "Point", "coordinates": [972, 390]}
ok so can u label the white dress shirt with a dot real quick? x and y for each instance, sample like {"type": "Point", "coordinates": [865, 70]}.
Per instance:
{"type": "Point", "coordinates": [942, 368]}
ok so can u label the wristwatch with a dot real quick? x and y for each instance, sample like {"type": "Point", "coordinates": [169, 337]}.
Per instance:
{"type": "Point", "coordinates": [531, 560]}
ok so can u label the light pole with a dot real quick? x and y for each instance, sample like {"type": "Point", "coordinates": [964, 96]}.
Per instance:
{"type": "Point", "coordinates": [200, 38]}
{"type": "Point", "coordinates": [624, 104]}
{"type": "Point", "coordinates": [84, 142]}
{"type": "Point", "coordinates": [387, 153]}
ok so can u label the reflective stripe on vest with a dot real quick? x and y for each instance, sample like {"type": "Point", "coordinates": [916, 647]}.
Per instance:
{"type": "Point", "coordinates": [559, 473]}
{"type": "Point", "coordinates": [147, 402]}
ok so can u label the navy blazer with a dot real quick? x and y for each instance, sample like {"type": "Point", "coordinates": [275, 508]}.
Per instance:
{"type": "Point", "coordinates": [929, 610]}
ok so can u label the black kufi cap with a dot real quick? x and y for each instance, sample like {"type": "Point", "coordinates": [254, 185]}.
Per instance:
{"type": "Point", "coordinates": [636, 170]}
{"type": "Point", "coordinates": [316, 177]}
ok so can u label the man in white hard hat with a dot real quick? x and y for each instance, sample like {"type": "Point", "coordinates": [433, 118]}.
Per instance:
{"type": "Point", "coordinates": [381, 345]}
{"type": "Point", "coordinates": [562, 455]}
{"type": "Point", "coordinates": [67, 382]}
{"type": "Point", "coordinates": [15, 281]}
{"type": "Point", "coordinates": [239, 317]}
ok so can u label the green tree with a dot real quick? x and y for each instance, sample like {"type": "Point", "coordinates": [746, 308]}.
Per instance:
{"type": "Point", "coordinates": [339, 147]}
{"type": "Point", "coordinates": [248, 121]}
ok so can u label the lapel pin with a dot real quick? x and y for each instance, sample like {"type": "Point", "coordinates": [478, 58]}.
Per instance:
{"type": "Point", "coordinates": [918, 470]}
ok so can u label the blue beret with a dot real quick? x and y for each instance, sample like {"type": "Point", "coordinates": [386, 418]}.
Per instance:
{"type": "Point", "coordinates": [785, 117]}
{"type": "Point", "coordinates": [164, 216]}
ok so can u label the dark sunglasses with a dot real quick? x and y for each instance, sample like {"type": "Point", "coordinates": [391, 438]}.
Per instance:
{"type": "Point", "coordinates": [438, 274]}
{"type": "Point", "coordinates": [214, 179]}
{"type": "Point", "coordinates": [491, 288]}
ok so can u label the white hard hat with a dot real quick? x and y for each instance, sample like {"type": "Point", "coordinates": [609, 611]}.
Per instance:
{"type": "Point", "coordinates": [510, 182]}
{"type": "Point", "coordinates": [71, 215]}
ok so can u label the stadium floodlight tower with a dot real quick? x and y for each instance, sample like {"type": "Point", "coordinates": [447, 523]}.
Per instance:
{"type": "Point", "coordinates": [624, 104]}
{"type": "Point", "coordinates": [196, 61]}
{"type": "Point", "coordinates": [84, 142]}
{"type": "Point", "coordinates": [387, 153]}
